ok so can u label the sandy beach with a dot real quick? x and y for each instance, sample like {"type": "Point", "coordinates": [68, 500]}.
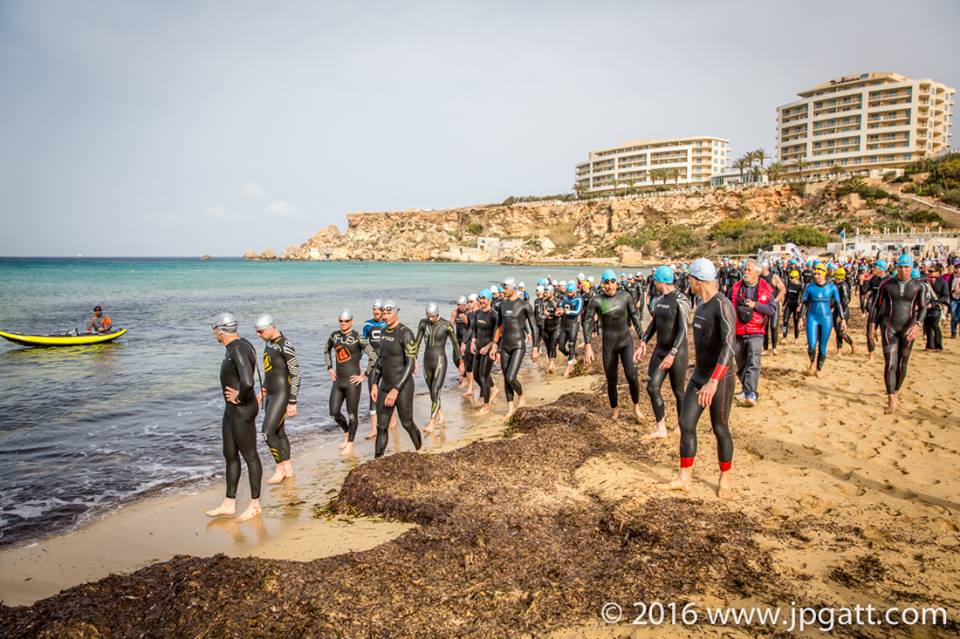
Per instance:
{"type": "Point", "coordinates": [531, 533]}
{"type": "Point", "coordinates": [295, 524]}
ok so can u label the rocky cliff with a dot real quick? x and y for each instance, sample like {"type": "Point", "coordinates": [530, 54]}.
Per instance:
{"type": "Point", "coordinates": [547, 231]}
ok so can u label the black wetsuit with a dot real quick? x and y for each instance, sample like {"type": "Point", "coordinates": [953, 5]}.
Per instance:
{"type": "Point", "coordinates": [869, 295]}
{"type": "Point", "coordinates": [551, 327]}
{"type": "Point", "coordinates": [281, 379]}
{"type": "Point", "coordinates": [483, 324]}
{"type": "Point", "coordinates": [371, 332]}
{"type": "Point", "coordinates": [842, 313]}
{"type": "Point", "coordinates": [461, 322]}
{"type": "Point", "coordinates": [240, 420]}
{"type": "Point", "coordinates": [792, 308]}
{"type": "Point", "coordinates": [587, 297]}
{"type": "Point", "coordinates": [669, 324]}
{"type": "Point", "coordinates": [898, 306]}
{"type": "Point", "coordinates": [513, 318]}
{"type": "Point", "coordinates": [398, 354]}
{"type": "Point", "coordinates": [348, 348]}
{"type": "Point", "coordinates": [939, 291]}
{"type": "Point", "coordinates": [570, 325]}
{"type": "Point", "coordinates": [770, 336]}
{"type": "Point", "coordinates": [714, 331]}
{"type": "Point", "coordinates": [618, 314]}
{"type": "Point", "coordinates": [435, 356]}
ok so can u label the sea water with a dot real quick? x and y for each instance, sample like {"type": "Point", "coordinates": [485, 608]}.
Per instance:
{"type": "Point", "coordinates": [84, 429]}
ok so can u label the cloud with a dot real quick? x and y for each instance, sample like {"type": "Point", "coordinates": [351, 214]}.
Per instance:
{"type": "Point", "coordinates": [252, 192]}
{"type": "Point", "coordinates": [218, 212]}
{"type": "Point", "coordinates": [280, 209]}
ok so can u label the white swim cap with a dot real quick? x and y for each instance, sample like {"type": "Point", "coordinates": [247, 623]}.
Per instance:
{"type": "Point", "coordinates": [510, 283]}
{"type": "Point", "coordinates": [264, 321]}
{"type": "Point", "coordinates": [345, 315]}
{"type": "Point", "coordinates": [390, 305]}
{"type": "Point", "coordinates": [703, 270]}
{"type": "Point", "coordinates": [226, 323]}
{"type": "Point", "coordinates": [473, 297]}
{"type": "Point", "coordinates": [433, 309]}
{"type": "Point", "coordinates": [462, 300]}
{"type": "Point", "coordinates": [377, 303]}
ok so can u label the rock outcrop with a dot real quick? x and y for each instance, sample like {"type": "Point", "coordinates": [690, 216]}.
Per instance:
{"type": "Point", "coordinates": [547, 231]}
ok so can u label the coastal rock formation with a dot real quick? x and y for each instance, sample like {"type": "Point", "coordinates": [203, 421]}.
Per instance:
{"type": "Point", "coordinates": [538, 231]}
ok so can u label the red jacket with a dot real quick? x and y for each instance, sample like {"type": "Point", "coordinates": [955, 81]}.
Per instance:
{"type": "Point", "coordinates": [758, 322]}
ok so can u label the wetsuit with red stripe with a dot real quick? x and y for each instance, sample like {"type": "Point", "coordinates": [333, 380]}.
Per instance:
{"type": "Point", "coordinates": [714, 331]}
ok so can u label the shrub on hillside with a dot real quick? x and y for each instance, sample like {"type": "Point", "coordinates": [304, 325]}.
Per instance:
{"type": "Point", "coordinates": [952, 197]}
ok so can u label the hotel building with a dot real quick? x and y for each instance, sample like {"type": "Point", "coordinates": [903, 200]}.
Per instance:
{"type": "Point", "coordinates": [695, 160]}
{"type": "Point", "coordinates": [865, 124]}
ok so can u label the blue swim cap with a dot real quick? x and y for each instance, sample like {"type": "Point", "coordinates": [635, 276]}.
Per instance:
{"type": "Point", "coordinates": [486, 293]}
{"type": "Point", "coordinates": [663, 274]}
{"type": "Point", "coordinates": [542, 281]}
{"type": "Point", "coordinates": [881, 264]}
{"type": "Point", "coordinates": [571, 287]}
{"type": "Point", "coordinates": [905, 259]}
{"type": "Point", "coordinates": [608, 275]}
{"type": "Point", "coordinates": [915, 273]}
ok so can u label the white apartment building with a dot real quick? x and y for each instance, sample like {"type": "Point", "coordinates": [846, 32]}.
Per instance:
{"type": "Point", "coordinates": [864, 124]}
{"type": "Point", "coordinates": [683, 161]}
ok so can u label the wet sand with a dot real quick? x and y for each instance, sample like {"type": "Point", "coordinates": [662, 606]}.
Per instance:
{"type": "Point", "coordinates": [294, 524]}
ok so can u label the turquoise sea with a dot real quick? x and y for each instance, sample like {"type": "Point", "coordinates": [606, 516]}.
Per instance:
{"type": "Point", "coordinates": [84, 429]}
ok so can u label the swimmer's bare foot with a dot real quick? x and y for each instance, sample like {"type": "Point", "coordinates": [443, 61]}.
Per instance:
{"type": "Point", "coordinates": [278, 475]}
{"type": "Point", "coordinates": [468, 392]}
{"type": "Point", "coordinates": [682, 482]}
{"type": "Point", "coordinates": [853, 349]}
{"type": "Point", "coordinates": [252, 511]}
{"type": "Point", "coordinates": [818, 374]}
{"type": "Point", "coordinates": [811, 369]}
{"type": "Point", "coordinates": [893, 403]}
{"type": "Point", "coordinates": [570, 366]}
{"type": "Point", "coordinates": [659, 433]}
{"type": "Point", "coordinates": [521, 402]}
{"type": "Point", "coordinates": [228, 507]}
{"type": "Point", "coordinates": [288, 469]}
{"type": "Point", "coordinates": [725, 485]}
{"type": "Point", "coordinates": [615, 413]}
{"type": "Point", "coordinates": [510, 409]}
{"type": "Point", "coordinates": [371, 435]}
{"type": "Point", "coordinates": [429, 427]}
{"type": "Point", "coordinates": [483, 410]}
{"type": "Point", "coordinates": [346, 450]}
{"type": "Point", "coordinates": [440, 418]}
{"type": "Point", "coordinates": [677, 484]}
{"type": "Point", "coordinates": [637, 412]}
{"type": "Point", "coordinates": [346, 436]}
{"type": "Point", "coordinates": [493, 393]}
{"type": "Point", "coordinates": [552, 368]}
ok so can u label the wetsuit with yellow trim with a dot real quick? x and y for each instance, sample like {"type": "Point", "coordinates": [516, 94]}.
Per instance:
{"type": "Point", "coordinates": [435, 335]}
{"type": "Point", "coordinates": [281, 380]}
{"type": "Point", "coordinates": [394, 371]}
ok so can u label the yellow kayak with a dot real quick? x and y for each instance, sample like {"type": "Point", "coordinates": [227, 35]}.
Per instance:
{"type": "Point", "coordinates": [62, 340]}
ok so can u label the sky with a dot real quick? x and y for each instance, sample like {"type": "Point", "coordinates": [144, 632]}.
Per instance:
{"type": "Point", "coordinates": [174, 128]}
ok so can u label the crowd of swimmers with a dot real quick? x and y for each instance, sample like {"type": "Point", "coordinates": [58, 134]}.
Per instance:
{"type": "Point", "coordinates": [737, 310]}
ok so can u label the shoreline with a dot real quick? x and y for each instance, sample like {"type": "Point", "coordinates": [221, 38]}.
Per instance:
{"type": "Point", "coordinates": [294, 523]}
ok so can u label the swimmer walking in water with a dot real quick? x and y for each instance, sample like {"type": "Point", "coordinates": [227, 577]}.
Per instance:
{"type": "Point", "coordinates": [433, 331]}
{"type": "Point", "coordinates": [348, 347]}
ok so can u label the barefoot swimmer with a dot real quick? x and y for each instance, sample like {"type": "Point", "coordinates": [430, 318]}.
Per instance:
{"type": "Point", "coordinates": [393, 379]}
{"type": "Point", "coordinates": [348, 347]}
{"type": "Point", "coordinates": [820, 297]}
{"type": "Point", "coordinates": [239, 417]}
{"type": "Point", "coordinates": [372, 329]}
{"type": "Point", "coordinates": [618, 314]}
{"type": "Point", "coordinates": [434, 332]}
{"type": "Point", "coordinates": [898, 311]}
{"type": "Point", "coordinates": [281, 386]}
{"type": "Point", "coordinates": [510, 340]}
{"type": "Point", "coordinates": [713, 380]}
{"type": "Point", "coordinates": [671, 355]}
{"type": "Point", "coordinates": [483, 323]}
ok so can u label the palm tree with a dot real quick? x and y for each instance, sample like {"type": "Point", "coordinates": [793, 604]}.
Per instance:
{"type": "Point", "coordinates": [742, 164]}
{"type": "Point", "coordinates": [774, 171]}
{"type": "Point", "coordinates": [800, 166]}
{"type": "Point", "coordinates": [760, 155]}
{"type": "Point", "coordinates": [755, 173]}
{"type": "Point", "coordinates": [676, 173]}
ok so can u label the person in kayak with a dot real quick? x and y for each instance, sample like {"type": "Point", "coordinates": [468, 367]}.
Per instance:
{"type": "Point", "coordinates": [99, 323]}
{"type": "Point", "coordinates": [281, 385]}
{"type": "Point", "coordinates": [239, 423]}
